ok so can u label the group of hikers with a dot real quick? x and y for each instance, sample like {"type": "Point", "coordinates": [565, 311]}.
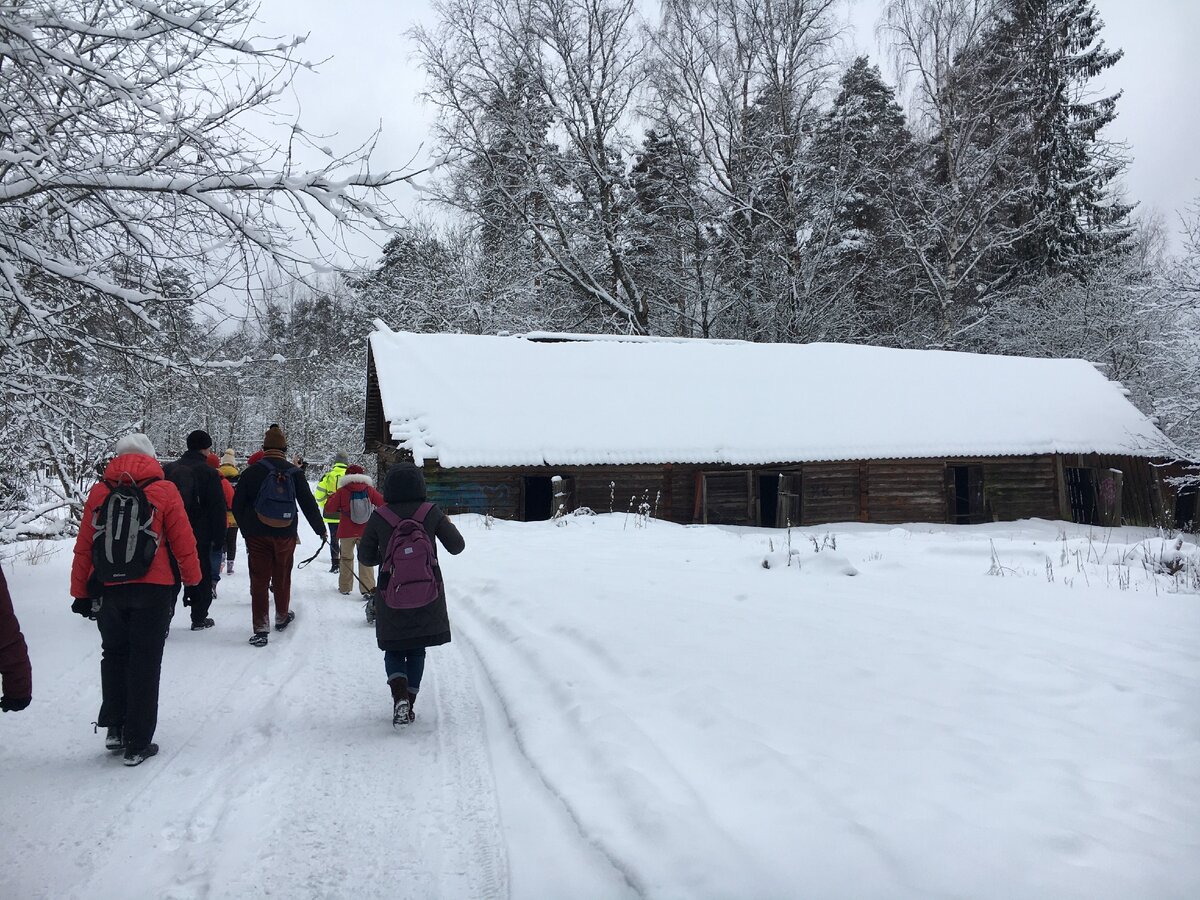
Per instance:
{"type": "Point", "coordinates": [150, 531]}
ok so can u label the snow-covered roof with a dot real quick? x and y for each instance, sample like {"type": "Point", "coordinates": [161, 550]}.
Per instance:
{"type": "Point", "coordinates": [472, 400]}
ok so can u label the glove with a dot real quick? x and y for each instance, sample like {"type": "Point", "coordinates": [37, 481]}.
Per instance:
{"type": "Point", "coordinates": [14, 704]}
{"type": "Point", "coordinates": [85, 607]}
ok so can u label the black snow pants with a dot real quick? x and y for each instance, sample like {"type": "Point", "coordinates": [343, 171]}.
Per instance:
{"type": "Point", "coordinates": [133, 622]}
{"type": "Point", "coordinates": [199, 597]}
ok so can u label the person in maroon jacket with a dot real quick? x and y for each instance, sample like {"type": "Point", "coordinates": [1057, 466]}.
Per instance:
{"type": "Point", "coordinates": [271, 546]}
{"type": "Point", "coordinates": [134, 614]}
{"type": "Point", "coordinates": [14, 656]}
{"type": "Point", "coordinates": [355, 495]}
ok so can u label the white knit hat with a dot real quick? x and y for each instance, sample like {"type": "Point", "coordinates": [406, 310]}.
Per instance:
{"type": "Point", "coordinates": [134, 443]}
{"type": "Point", "coordinates": [228, 459]}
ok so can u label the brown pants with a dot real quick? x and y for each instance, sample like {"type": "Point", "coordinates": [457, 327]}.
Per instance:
{"type": "Point", "coordinates": [269, 560]}
{"type": "Point", "coordinates": [366, 574]}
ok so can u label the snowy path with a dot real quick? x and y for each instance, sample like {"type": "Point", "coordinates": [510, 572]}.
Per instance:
{"type": "Point", "coordinates": [280, 774]}
{"type": "Point", "coordinates": [647, 712]}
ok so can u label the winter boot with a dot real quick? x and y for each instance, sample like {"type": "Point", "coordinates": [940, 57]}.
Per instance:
{"type": "Point", "coordinates": [200, 626]}
{"type": "Point", "coordinates": [259, 639]}
{"type": "Point", "coordinates": [336, 567]}
{"type": "Point", "coordinates": [115, 739]}
{"type": "Point", "coordinates": [412, 703]}
{"type": "Point", "coordinates": [137, 757]}
{"type": "Point", "coordinates": [401, 705]}
{"type": "Point", "coordinates": [291, 617]}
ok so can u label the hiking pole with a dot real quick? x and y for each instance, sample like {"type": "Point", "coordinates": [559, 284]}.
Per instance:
{"type": "Point", "coordinates": [324, 542]}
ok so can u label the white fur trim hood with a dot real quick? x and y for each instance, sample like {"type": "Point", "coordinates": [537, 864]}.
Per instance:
{"type": "Point", "coordinates": [356, 479]}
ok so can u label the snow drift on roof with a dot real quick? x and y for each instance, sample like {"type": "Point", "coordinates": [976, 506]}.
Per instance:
{"type": "Point", "coordinates": [471, 400]}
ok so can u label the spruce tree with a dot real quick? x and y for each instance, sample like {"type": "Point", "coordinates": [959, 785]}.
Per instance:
{"type": "Point", "coordinates": [1049, 51]}
{"type": "Point", "coordinates": [668, 243]}
{"type": "Point", "coordinates": [862, 154]}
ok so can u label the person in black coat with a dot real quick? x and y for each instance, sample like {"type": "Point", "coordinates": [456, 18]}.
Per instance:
{"type": "Point", "coordinates": [204, 499]}
{"type": "Point", "coordinates": [15, 673]}
{"type": "Point", "coordinates": [403, 634]}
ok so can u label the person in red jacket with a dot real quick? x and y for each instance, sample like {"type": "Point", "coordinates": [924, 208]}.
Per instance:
{"type": "Point", "coordinates": [14, 656]}
{"type": "Point", "coordinates": [134, 614]}
{"type": "Point", "coordinates": [354, 485]}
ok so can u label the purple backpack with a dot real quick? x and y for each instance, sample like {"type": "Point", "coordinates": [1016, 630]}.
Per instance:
{"type": "Point", "coordinates": [408, 561]}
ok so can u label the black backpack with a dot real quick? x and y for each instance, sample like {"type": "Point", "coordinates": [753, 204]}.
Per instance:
{"type": "Point", "coordinates": [125, 542]}
{"type": "Point", "coordinates": [184, 478]}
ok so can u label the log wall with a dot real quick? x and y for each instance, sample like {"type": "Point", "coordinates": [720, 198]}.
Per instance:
{"type": "Point", "coordinates": [883, 491]}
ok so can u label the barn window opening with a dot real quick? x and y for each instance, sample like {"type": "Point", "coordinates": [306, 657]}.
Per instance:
{"type": "Point", "coordinates": [768, 500]}
{"type": "Point", "coordinates": [539, 498]}
{"type": "Point", "coordinates": [1081, 490]}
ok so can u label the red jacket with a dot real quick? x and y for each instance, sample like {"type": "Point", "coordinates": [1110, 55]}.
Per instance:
{"type": "Point", "coordinates": [14, 655]}
{"type": "Point", "coordinates": [228, 489]}
{"type": "Point", "coordinates": [339, 503]}
{"type": "Point", "coordinates": [170, 521]}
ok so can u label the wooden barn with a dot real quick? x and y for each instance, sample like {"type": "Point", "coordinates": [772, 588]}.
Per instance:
{"type": "Point", "coordinates": [526, 427]}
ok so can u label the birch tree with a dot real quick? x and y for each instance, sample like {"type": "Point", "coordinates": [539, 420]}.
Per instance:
{"type": "Point", "coordinates": [131, 135]}
{"type": "Point", "coordinates": [576, 65]}
{"type": "Point", "coordinates": [741, 81]}
{"type": "Point", "coordinates": [953, 220]}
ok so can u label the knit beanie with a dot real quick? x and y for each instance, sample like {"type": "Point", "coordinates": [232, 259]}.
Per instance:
{"type": "Point", "coordinates": [356, 470]}
{"type": "Point", "coordinates": [228, 458]}
{"type": "Point", "coordinates": [403, 482]}
{"type": "Point", "coordinates": [341, 457]}
{"type": "Point", "coordinates": [214, 461]}
{"type": "Point", "coordinates": [134, 443]}
{"type": "Point", "coordinates": [199, 440]}
{"type": "Point", "coordinates": [274, 439]}
{"type": "Point", "coordinates": [254, 457]}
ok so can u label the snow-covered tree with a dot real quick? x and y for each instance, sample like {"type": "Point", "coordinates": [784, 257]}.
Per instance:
{"type": "Point", "coordinates": [862, 150]}
{"type": "Point", "coordinates": [1049, 52]}
{"type": "Point", "coordinates": [740, 81]}
{"type": "Point", "coordinates": [671, 246]}
{"type": "Point", "coordinates": [579, 69]}
{"type": "Point", "coordinates": [953, 219]}
{"type": "Point", "coordinates": [131, 140]}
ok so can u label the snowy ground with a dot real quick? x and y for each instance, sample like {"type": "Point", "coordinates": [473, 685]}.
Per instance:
{"type": "Point", "coordinates": [647, 711]}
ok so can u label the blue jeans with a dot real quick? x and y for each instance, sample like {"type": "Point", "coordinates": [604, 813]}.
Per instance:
{"type": "Point", "coordinates": [410, 663]}
{"type": "Point", "coordinates": [215, 561]}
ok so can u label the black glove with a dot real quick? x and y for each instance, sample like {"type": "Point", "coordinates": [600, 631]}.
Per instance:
{"type": "Point", "coordinates": [14, 704]}
{"type": "Point", "coordinates": [85, 607]}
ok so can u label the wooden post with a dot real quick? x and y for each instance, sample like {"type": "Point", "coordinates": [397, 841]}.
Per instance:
{"type": "Point", "coordinates": [864, 490]}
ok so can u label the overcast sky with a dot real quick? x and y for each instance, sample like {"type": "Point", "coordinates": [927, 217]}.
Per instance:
{"type": "Point", "coordinates": [372, 79]}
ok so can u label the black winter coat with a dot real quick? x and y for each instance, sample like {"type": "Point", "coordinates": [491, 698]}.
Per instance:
{"type": "Point", "coordinates": [246, 493]}
{"type": "Point", "coordinates": [14, 655]}
{"type": "Point", "coordinates": [428, 626]}
{"type": "Point", "coordinates": [203, 497]}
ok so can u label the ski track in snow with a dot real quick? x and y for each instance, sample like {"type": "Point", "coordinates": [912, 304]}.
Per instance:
{"type": "Point", "coordinates": [642, 713]}
{"type": "Point", "coordinates": [279, 772]}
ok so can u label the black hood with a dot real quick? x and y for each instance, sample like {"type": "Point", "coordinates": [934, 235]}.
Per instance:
{"type": "Point", "coordinates": [404, 482]}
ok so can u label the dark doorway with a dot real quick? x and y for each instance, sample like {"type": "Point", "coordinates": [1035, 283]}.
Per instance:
{"type": "Point", "coordinates": [539, 498]}
{"type": "Point", "coordinates": [964, 493]}
{"type": "Point", "coordinates": [1185, 509]}
{"type": "Point", "coordinates": [768, 500]}
{"type": "Point", "coordinates": [1081, 490]}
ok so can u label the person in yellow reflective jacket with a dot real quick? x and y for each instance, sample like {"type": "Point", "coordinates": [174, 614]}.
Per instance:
{"type": "Point", "coordinates": [325, 489]}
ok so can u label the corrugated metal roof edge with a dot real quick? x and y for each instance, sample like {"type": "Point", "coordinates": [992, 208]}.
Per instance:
{"type": "Point", "coordinates": [470, 463]}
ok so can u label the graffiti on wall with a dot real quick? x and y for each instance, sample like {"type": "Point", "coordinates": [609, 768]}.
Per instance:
{"type": "Point", "coordinates": [472, 497]}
